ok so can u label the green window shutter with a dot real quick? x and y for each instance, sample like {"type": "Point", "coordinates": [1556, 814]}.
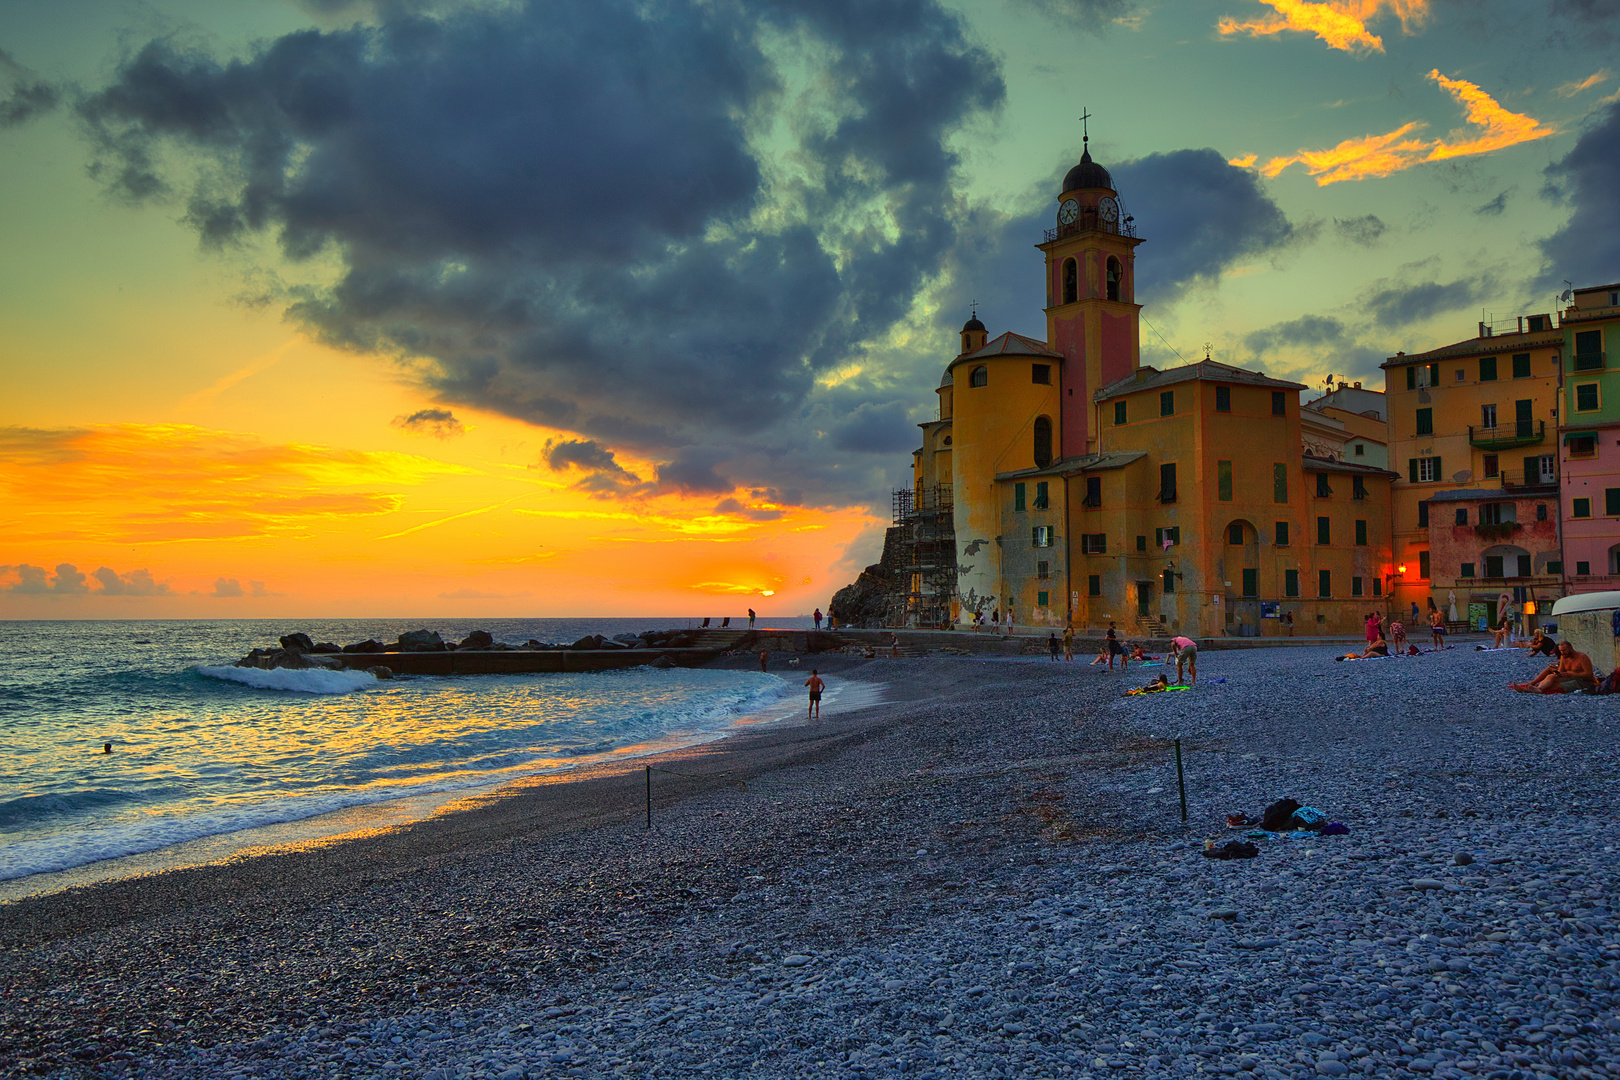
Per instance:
{"type": "Point", "coordinates": [1361, 533]}
{"type": "Point", "coordinates": [1251, 583]}
{"type": "Point", "coordinates": [1438, 475]}
{"type": "Point", "coordinates": [1018, 497]}
{"type": "Point", "coordinates": [1521, 365]}
{"type": "Point", "coordinates": [1167, 403]}
{"type": "Point", "coordinates": [1094, 585]}
{"type": "Point", "coordinates": [1425, 421]}
{"type": "Point", "coordinates": [1223, 481]}
{"type": "Point", "coordinates": [1581, 508]}
{"type": "Point", "coordinates": [1434, 374]}
{"type": "Point", "coordinates": [1487, 369]}
{"type": "Point", "coordinates": [1279, 482]}
{"type": "Point", "coordinates": [1611, 501]}
{"type": "Point", "coordinates": [1119, 412]}
{"type": "Point", "coordinates": [1324, 583]}
{"type": "Point", "coordinates": [1282, 533]}
{"type": "Point", "coordinates": [1324, 531]}
{"type": "Point", "coordinates": [1411, 378]}
{"type": "Point", "coordinates": [1290, 582]}
{"type": "Point", "coordinates": [1411, 470]}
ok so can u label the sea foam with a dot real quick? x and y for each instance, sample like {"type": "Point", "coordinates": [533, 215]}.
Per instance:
{"type": "Point", "coordinates": [305, 681]}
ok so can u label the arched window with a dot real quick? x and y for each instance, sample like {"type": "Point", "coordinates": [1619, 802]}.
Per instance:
{"type": "Point", "coordinates": [980, 376]}
{"type": "Point", "coordinates": [1071, 281]}
{"type": "Point", "coordinates": [1115, 274]}
{"type": "Point", "coordinates": [1234, 534]}
{"type": "Point", "coordinates": [1043, 442]}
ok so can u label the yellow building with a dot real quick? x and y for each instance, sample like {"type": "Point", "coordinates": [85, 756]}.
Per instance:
{"type": "Point", "coordinates": [1473, 433]}
{"type": "Point", "coordinates": [1064, 482]}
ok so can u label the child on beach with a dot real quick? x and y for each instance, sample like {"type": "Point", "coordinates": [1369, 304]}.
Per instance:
{"type": "Point", "coordinates": [1397, 635]}
{"type": "Point", "coordinates": [816, 684]}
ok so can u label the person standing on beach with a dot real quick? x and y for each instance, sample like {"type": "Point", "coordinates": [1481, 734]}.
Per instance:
{"type": "Point", "coordinates": [1052, 646]}
{"type": "Point", "coordinates": [1068, 643]}
{"type": "Point", "coordinates": [750, 618]}
{"type": "Point", "coordinates": [894, 647]}
{"type": "Point", "coordinates": [1009, 620]}
{"type": "Point", "coordinates": [763, 659]}
{"type": "Point", "coordinates": [817, 617]}
{"type": "Point", "coordinates": [1116, 649]}
{"type": "Point", "coordinates": [816, 685]}
{"type": "Point", "coordinates": [1186, 651]}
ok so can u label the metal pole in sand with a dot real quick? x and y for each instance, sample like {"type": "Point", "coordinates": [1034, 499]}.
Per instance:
{"type": "Point", "coordinates": [649, 796]}
{"type": "Point", "coordinates": [1181, 782]}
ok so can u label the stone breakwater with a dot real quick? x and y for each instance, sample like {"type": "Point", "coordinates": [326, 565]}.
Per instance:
{"type": "Point", "coordinates": [993, 882]}
{"type": "Point", "coordinates": [299, 651]}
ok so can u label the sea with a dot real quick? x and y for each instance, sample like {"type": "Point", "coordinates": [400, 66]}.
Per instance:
{"type": "Point", "coordinates": [202, 749]}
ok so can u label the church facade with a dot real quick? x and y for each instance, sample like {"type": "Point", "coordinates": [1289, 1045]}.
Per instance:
{"type": "Point", "coordinates": [1065, 482]}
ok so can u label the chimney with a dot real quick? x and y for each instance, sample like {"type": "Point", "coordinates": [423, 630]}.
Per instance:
{"type": "Point", "coordinates": [1358, 384]}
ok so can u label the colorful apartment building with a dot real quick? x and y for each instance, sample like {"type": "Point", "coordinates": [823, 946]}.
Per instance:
{"type": "Point", "coordinates": [1591, 440]}
{"type": "Point", "coordinates": [1473, 433]}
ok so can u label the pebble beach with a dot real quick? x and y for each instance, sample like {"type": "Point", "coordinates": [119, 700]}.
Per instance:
{"type": "Point", "coordinates": [985, 875]}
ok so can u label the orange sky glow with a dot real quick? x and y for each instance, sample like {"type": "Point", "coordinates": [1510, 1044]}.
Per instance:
{"type": "Point", "coordinates": [1340, 23]}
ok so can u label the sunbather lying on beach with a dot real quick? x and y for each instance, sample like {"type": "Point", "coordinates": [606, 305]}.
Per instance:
{"type": "Point", "coordinates": [1138, 654]}
{"type": "Point", "coordinates": [1157, 685]}
{"type": "Point", "coordinates": [1376, 647]}
{"type": "Point", "coordinates": [1572, 672]}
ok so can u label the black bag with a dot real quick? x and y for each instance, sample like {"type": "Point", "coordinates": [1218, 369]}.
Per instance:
{"type": "Point", "coordinates": [1279, 816]}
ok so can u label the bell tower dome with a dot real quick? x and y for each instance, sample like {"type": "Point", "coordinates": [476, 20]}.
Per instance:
{"type": "Point", "coordinates": [1092, 318]}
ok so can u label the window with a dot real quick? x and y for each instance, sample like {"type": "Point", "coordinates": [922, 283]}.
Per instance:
{"type": "Point", "coordinates": [1378, 587]}
{"type": "Point", "coordinates": [1167, 403]}
{"type": "Point", "coordinates": [1582, 445]}
{"type": "Point", "coordinates": [1434, 374]}
{"type": "Point", "coordinates": [1043, 569]}
{"type": "Point", "coordinates": [1279, 403]}
{"type": "Point", "coordinates": [1043, 442]}
{"type": "Point", "coordinates": [1586, 396]}
{"type": "Point", "coordinates": [1487, 369]}
{"type": "Point", "coordinates": [1502, 513]}
{"type": "Point", "coordinates": [1541, 468]}
{"type": "Point", "coordinates": [1324, 531]}
{"type": "Point", "coordinates": [1042, 598]}
{"type": "Point", "coordinates": [1041, 536]}
{"type": "Point", "coordinates": [1234, 534]}
{"type": "Point", "coordinates": [1361, 449]}
{"type": "Point", "coordinates": [1041, 374]}
{"type": "Point", "coordinates": [1582, 569]}
{"type": "Point", "coordinates": [1487, 416]}
{"type": "Point", "coordinates": [1541, 511]}
{"type": "Point", "coordinates": [1467, 570]}
{"type": "Point", "coordinates": [1282, 534]}
{"type": "Point", "coordinates": [1423, 565]}
{"type": "Point", "coordinates": [1169, 581]}
{"type": "Point", "coordinates": [1423, 470]}
{"type": "Point", "coordinates": [1411, 378]}
{"type": "Point", "coordinates": [1094, 585]}
{"type": "Point", "coordinates": [1425, 421]}
{"type": "Point", "coordinates": [1093, 492]}
{"type": "Point", "coordinates": [1223, 481]}
{"type": "Point", "coordinates": [1589, 350]}
{"type": "Point", "coordinates": [1611, 502]}
{"type": "Point", "coordinates": [1042, 500]}
{"type": "Point", "coordinates": [1115, 275]}
{"type": "Point", "coordinates": [1090, 543]}
{"type": "Point", "coordinates": [1554, 566]}
{"type": "Point", "coordinates": [1493, 566]}
{"type": "Point", "coordinates": [1423, 515]}
{"type": "Point", "coordinates": [1279, 482]}
{"type": "Point", "coordinates": [1536, 323]}
{"type": "Point", "coordinates": [1524, 566]}
{"type": "Point", "coordinates": [1322, 488]}
{"type": "Point", "coordinates": [1462, 515]}
{"type": "Point", "coordinates": [1521, 365]}
{"type": "Point", "coordinates": [1491, 469]}
{"type": "Point", "coordinates": [1167, 483]}
{"type": "Point", "coordinates": [1223, 399]}
{"type": "Point", "coordinates": [1355, 586]}
{"type": "Point", "coordinates": [1141, 543]}
{"type": "Point", "coordinates": [1581, 508]}
{"type": "Point", "coordinates": [1361, 533]}
{"type": "Point", "coordinates": [1119, 412]}
{"type": "Point", "coordinates": [1324, 583]}
{"type": "Point", "coordinates": [1171, 534]}
{"type": "Point", "coordinates": [1251, 582]}
{"type": "Point", "coordinates": [1290, 582]}
{"type": "Point", "coordinates": [1018, 498]}
{"type": "Point", "coordinates": [980, 376]}
{"type": "Point", "coordinates": [1358, 487]}
{"type": "Point", "coordinates": [1461, 374]}
{"type": "Point", "coordinates": [1071, 281]}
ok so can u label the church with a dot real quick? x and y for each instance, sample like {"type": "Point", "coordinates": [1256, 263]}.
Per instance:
{"type": "Point", "coordinates": [1068, 484]}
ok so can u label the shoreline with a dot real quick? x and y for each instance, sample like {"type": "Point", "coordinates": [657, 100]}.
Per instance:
{"type": "Point", "coordinates": [369, 819]}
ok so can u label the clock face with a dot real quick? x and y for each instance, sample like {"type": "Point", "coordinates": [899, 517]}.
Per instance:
{"type": "Point", "coordinates": [1068, 212]}
{"type": "Point", "coordinates": [1108, 209]}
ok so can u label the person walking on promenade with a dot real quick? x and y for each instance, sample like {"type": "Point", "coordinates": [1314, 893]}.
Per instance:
{"type": "Point", "coordinates": [1068, 643]}
{"type": "Point", "coordinates": [817, 617]}
{"type": "Point", "coordinates": [816, 684]}
{"type": "Point", "coordinates": [1186, 651]}
{"type": "Point", "coordinates": [1009, 620]}
{"type": "Point", "coordinates": [750, 618]}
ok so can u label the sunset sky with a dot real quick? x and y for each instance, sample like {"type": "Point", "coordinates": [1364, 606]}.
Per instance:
{"type": "Point", "coordinates": [332, 308]}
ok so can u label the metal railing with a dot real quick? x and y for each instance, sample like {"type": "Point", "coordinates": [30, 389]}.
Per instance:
{"type": "Point", "coordinates": [911, 502]}
{"type": "Point", "coordinates": [1507, 436]}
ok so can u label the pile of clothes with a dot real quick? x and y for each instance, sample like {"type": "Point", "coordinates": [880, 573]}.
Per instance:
{"type": "Point", "coordinates": [1280, 819]}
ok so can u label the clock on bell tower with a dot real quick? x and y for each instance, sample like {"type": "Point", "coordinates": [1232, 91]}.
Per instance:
{"type": "Point", "coordinates": [1092, 317]}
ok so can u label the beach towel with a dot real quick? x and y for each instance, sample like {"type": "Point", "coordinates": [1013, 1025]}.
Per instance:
{"type": "Point", "coordinates": [1161, 690]}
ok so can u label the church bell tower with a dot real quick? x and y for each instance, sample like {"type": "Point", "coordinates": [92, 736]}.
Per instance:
{"type": "Point", "coordinates": [1092, 317]}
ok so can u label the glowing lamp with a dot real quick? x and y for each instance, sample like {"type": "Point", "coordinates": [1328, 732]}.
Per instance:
{"type": "Point", "coordinates": [1529, 607]}
{"type": "Point", "coordinates": [1401, 569]}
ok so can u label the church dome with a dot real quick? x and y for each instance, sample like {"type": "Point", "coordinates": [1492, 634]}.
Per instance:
{"type": "Point", "coordinates": [972, 324]}
{"type": "Point", "coordinates": [947, 380]}
{"type": "Point", "coordinates": [1087, 174]}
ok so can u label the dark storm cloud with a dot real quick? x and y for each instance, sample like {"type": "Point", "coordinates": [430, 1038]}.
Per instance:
{"type": "Point", "coordinates": [602, 475]}
{"type": "Point", "coordinates": [440, 423]}
{"type": "Point", "coordinates": [1365, 230]}
{"type": "Point", "coordinates": [1305, 330]}
{"type": "Point", "coordinates": [737, 509]}
{"type": "Point", "coordinates": [1586, 250]}
{"type": "Point", "coordinates": [563, 207]}
{"type": "Point", "coordinates": [1326, 339]}
{"type": "Point", "coordinates": [26, 96]}
{"type": "Point", "coordinates": [1588, 11]}
{"type": "Point", "coordinates": [876, 429]}
{"type": "Point", "coordinates": [1402, 303]}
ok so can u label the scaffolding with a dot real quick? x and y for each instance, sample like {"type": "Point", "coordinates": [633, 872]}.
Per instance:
{"type": "Point", "coordinates": [925, 535]}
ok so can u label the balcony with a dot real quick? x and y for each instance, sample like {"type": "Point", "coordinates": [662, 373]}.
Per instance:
{"type": "Point", "coordinates": [1591, 361]}
{"type": "Point", "coordinates": [1507, 436]}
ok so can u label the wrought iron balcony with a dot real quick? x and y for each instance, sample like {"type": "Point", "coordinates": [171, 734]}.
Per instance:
{"type": "Point", "coordinates": [1507, 436]}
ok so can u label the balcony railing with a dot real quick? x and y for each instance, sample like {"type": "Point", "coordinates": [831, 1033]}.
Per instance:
{"type": "Point", "coordinates": [1591, 361]}
{"type": "Point", "coordinates": [1507, 436]}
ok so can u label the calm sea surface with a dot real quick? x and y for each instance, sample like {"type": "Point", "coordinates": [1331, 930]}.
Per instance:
{"type": "Point", "coordinates": [201, 748]}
